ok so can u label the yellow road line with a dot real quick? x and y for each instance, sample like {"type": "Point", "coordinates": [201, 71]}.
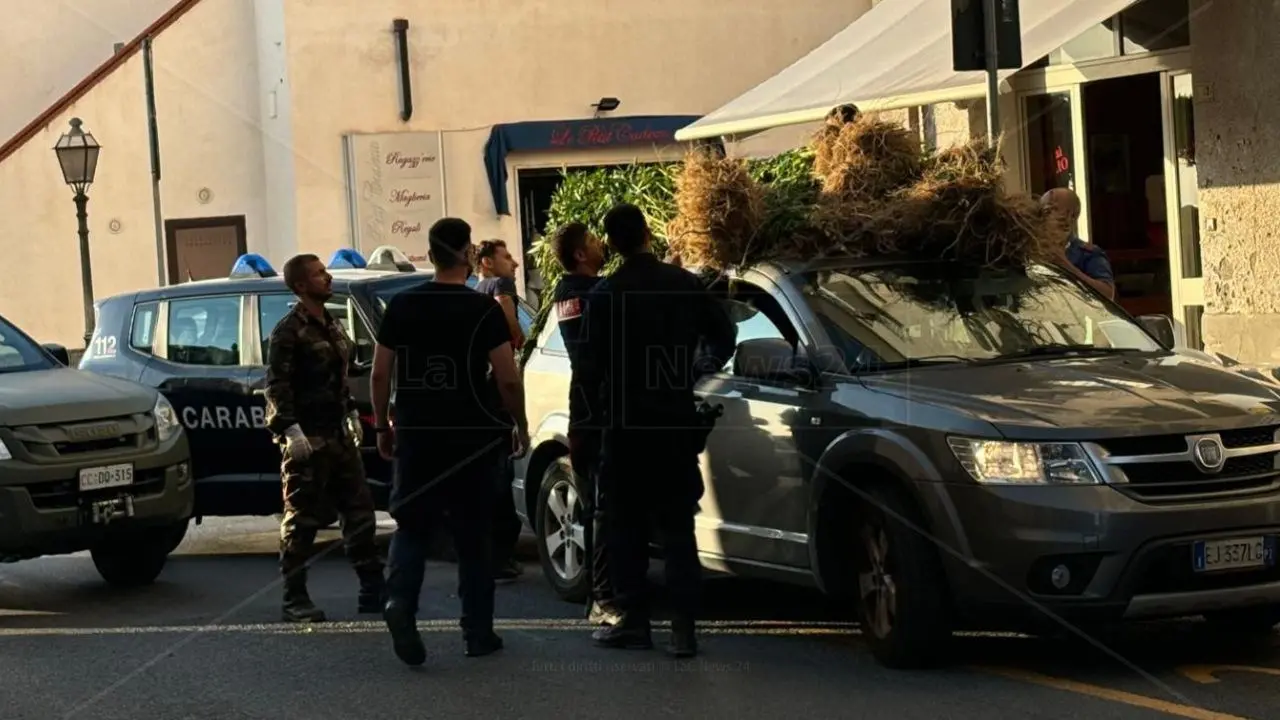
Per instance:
{"type": "Point", "coordinates": [1204, 674]}
{"type": "Point", "coordinates": [1104, 693]}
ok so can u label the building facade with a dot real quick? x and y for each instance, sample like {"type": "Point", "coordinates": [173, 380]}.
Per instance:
{"type": "Point", "coordinates": [308, 125]}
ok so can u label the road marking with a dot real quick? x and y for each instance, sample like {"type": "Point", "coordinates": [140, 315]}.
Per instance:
{"type": "Point", "coordinates": [1104, 693]}
{"type": "Point", "coordinates": [1204, 674]}
{"type": "Point", "coordinates": [755, 628]}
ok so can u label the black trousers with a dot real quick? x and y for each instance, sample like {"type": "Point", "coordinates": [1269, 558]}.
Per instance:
{"type": "Point", "coordinates": [651, 480]}
{"type": "Point", "coordinates": [584, 455]}
{"type": "Point", "coordinates": [504, 521]}
{"type": "Point", "coordinates": [462, 504]}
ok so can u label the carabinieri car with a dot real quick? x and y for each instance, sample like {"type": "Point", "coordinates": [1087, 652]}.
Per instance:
{"type": "Point", "coordinates": [203, 344]}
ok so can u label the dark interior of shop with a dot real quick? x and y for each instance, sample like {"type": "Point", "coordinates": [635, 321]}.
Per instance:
{"type": "Point", "coordinates": [1127, 212]}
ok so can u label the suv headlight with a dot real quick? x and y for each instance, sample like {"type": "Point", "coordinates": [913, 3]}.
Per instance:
{"type": "Point", "coordinates": [998, 462]}
{"type": "Point", "coordinates": [4, 452]}
{"type": "Point", "coordinates": [167, 424]}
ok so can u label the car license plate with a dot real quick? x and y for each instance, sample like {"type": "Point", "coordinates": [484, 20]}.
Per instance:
{"type": "Point", "coordinates": [109, 476]}
{"type": "Point", "coordinates": [1233, 554]}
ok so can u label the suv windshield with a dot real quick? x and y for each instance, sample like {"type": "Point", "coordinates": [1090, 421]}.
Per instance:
{"type": "Point", "coordinates": [18, 353]}
{"type": "Point", "coordinates": [911, 314]}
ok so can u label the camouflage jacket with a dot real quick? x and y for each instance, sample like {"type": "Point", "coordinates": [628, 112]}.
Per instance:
{"type": "Point", "coordinates": [307, 361]}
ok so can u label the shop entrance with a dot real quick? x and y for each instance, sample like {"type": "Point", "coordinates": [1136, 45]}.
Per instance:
{"type": "Point", "coordinates": [1124, 146]}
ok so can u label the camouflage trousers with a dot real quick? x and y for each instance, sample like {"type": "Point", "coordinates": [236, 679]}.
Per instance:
{"type": "Point", "coordinates": [329, 483]}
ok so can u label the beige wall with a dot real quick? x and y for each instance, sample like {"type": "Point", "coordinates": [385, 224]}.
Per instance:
{"type": "Point", "coordinates": [1238, 158]}
{"type": "Point", "coordinates": [483, 62]}
{"type": "Point", "coordinates": [205, 78]}
{"type": "Point", "coordinates": [47, 46]}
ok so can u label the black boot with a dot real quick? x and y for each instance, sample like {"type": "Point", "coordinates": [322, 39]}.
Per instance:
{"type": "Point", "coordinates": [297, 605]}
{"type": "Point", "coordinates": [626, 635]}
{"type": "Point", "coordinates": [484, 645]}
{"type": "Point", "coordinates": [684, 638]}
{"type": "Point", "coordinates": [373, 590]}
{"type": "Point", "coordinates": [405, 638]}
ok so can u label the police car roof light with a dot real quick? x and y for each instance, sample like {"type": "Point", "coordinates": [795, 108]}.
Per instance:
{"type": "Point", "coordinates": [346, 259]}
{"type": "Point", "coordinates": [252, 265]}
{"type": "Point", "coordinates": [390, 257]}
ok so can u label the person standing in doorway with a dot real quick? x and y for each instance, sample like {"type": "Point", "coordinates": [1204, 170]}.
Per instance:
{"type": "Point", "coordinates": [310, 413]}
{"type": "Point", "coordinates": [581, 255]}
{"type": "Point", "coordinates": [1083, 260]}
{"type": "Point", "coordinates": [645, 314]}
{"type": "Point", "coordinates": [498, 280]}
{"type": "Point", "coordinates": [459, 411]}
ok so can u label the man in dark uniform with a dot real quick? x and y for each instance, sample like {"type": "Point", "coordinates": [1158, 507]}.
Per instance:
{"type": "Point", "coordinates": [581, 254]}
{"type": "Point", "coordinates": [498, 280]}
{"type": "Point", "coordinates": [310, 413]}
{"type": "Point", "coordinates": [1086, 261]}
{"type": "Point", "coordinates": [645, 324]}
{"type": "Point", "coordinates": [440, 341]}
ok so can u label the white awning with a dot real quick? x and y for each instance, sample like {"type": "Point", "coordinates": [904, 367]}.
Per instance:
{"type": "Point", "coordinates": [898, 54]}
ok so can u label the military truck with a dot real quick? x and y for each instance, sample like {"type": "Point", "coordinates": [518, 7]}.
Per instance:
{"type": "Point", "coordinates": [87, 463]}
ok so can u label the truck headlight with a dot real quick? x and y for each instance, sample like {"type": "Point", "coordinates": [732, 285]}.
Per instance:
{"type": "Point", "coordinates": [997, 462]}
{"type": "Point", "coordinates": [4, 452]}
{"type": "Point", "coordinates": [167, 424]}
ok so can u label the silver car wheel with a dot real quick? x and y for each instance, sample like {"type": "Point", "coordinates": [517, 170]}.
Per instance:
{"type": "Point", "coordinates": [877, 588]}
{"type": "Point", "coordinates": [563, 530]}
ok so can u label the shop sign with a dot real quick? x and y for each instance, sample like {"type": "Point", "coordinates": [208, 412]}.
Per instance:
{"type": "Point", "coordinates": [395, 185]}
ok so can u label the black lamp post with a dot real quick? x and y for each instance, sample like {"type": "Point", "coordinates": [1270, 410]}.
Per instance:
{"type": "Point", "coordinates": [78, 155]}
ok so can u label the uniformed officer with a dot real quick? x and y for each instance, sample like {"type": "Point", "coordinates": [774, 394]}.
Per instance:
{"type": "Point", "coordinates": [310, 413]}
{"type": "Point", "coordinates": [645, 324]}
{"type": "Point", "coordinates": [581, 254]}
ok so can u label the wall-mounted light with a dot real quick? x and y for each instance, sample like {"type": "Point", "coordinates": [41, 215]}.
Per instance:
{"type": "Point", "coordinates": [606, 104]}
{"type": "Point", "coordinates": [400, 27]}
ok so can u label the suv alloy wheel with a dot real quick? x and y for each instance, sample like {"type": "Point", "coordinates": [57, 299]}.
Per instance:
{"type": "Point", "coordinates": [559, 518]}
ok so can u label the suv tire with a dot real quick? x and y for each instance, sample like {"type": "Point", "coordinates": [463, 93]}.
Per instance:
{"type": "Point", "coordinates": [900, 584]}
{"type": "Point", "coordinates": [559, 518]}
{"type": "Point", "coordinates": [133, 557]}
{"type": "Point", "coordinates": [1257, 620]}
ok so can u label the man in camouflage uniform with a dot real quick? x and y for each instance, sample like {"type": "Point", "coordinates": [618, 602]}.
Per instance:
{"type": "Point", "coordinates": [310, 413]}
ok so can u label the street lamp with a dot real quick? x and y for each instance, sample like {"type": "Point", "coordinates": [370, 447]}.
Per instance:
{"type": "Point", "coordinates": [77, 153]}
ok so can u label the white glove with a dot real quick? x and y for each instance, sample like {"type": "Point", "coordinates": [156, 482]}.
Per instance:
{"type": "Point", "coordinates": [354, 428]}
{"type": "Point", "coordinates": [296, 444]}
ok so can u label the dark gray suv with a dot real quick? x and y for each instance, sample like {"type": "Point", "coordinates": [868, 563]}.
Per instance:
{"type": "Point", "coordinates": [947, 447]}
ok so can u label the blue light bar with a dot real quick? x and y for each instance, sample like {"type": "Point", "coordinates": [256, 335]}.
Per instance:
{"type": "Point", "coordinates": [252, 265]}
{"type": "Point", "coordinates": [347, 259]}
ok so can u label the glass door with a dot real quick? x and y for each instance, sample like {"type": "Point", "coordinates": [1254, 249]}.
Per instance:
{"type": "Point", "coordinates": [1182, 205]}
{"type": "Point", "coordinates": [1053, 144]}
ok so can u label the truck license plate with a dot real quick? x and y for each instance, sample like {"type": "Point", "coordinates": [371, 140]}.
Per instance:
{"type": "Point", "coordinates": [1233, 554]}
{"type": "Point", "coordinates": [109, 476]}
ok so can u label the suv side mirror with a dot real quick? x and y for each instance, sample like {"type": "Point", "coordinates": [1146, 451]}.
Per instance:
{"type": "Point", "coordinates": [1161, 327]}
{"type": "Point", "coordinates": [59, 353]}
{"type": "Point", "coordinates": [772, 359]}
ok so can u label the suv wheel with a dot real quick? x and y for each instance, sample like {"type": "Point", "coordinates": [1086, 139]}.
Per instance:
{"type": "Point", "coordinates": [1259, 620]}
{"type": "Point", "coordinates": [177, 534]}
{"type": "Point", "coordinates": [900, 584]}
{"type": "Point", "coordinates": [558, 521]}
{"type": "Point", "coordinates": [133, 557]}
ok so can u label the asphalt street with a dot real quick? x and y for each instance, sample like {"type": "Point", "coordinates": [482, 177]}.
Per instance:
{"type": "Point", "coordinates": [205, 642]}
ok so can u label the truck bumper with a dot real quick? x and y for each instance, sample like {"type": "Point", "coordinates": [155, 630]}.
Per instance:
{"type": "Point", "coordinates": [44, 512]}
{"type": "Point", "coordinates": [1095, 553]}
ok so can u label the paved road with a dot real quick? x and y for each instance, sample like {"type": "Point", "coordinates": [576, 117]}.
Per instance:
{"type": "Point", "coordinates": [204, 643]}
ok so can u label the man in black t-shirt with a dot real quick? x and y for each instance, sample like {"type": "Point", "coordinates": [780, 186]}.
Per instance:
{"type": "Point", "coordinates": [440, 341]}
{"type": "Point", "coordinates": [498, 280]}
{"type": "Point", "coordinates": [581, 254]}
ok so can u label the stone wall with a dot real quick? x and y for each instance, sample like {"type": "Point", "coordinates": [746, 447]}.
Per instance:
{"type": "Point", "coordinates": [1233, 48]}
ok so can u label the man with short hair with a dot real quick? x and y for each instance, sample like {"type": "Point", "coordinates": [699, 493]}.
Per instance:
{"type": "Point", "coordinates": [1086, 261]}
{"type": "Point", "coordinates": [645, 324]}
{"type": "Point", "coordinates": [439, 342]}
{"type": "Point", "coordinates": [310, 413]}
{"type": "Point", "coordinates": [498, 280]}
{"type": "Point", "coordinates": [581, 255]}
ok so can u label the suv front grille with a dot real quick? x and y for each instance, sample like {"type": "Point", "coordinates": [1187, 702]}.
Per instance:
{"type": "Point", "coordinates": [87, 439]}
{"type": "Point", "coordinates": [61, 494]}
{"type": "Point", "coordinates": [1167, 468]}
